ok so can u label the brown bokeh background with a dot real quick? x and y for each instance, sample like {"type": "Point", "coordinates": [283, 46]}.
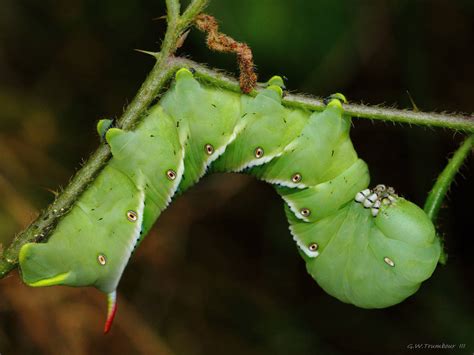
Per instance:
{"type": "Point", "coordinates": [219, 274]}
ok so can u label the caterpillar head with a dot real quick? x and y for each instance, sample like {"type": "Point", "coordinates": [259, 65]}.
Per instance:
{"type": "Point", "coordinates": [372, 261]}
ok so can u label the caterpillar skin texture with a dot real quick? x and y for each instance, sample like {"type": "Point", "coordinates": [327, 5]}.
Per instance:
{"type": "Point", "coordinates": [367, 247]}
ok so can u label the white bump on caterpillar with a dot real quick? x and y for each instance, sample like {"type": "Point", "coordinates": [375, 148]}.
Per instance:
{"type": "Point", "coordinates": [374, 199]}
{"type": "Point", "coordinates": [362, 195]}
{"type": "Point", "coordinates": [369, 201]}
{"type": "Point", "coordinates": [359, 197]}
{"type": "Point", "coordinates": [375, 208]}
{"type": "Point", "coordinates": [389, 261]}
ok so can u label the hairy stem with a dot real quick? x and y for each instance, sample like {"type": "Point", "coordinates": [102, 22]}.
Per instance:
{"type": "Point", "coordinates": [155, 81]}
{"type": "Point", "coordinates": [455, 122]}
{"type": "Point", "coordinates": [440, 188]}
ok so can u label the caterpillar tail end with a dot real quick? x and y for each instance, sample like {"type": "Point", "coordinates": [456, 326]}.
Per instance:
{"type": "Point", "coordinates": [111, 310]}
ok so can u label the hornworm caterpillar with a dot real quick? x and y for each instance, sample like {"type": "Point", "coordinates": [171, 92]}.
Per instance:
{"type": "Point", "coordinates": [368, 247]}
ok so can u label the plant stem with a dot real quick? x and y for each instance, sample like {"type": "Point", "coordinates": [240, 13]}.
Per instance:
{"type": "Point", "coordinates": [440, 188]}
{"type": "Point", "coordinates": [194, 9]}
{"type": "Point", "coordinates": [455, 122]}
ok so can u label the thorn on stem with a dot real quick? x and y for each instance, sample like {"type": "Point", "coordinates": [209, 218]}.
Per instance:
{"type": "Point", "coordinates": [163, 17]}
{"type": "Point", "coordinates": [153, 54]}
{"type": "Point", "coordinates": [415, 108]}
{"type": "Point", "coordinates": [181, 39]}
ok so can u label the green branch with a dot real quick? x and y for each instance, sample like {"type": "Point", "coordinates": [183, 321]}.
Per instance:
{"type": "Point", "coordinates": [454, 122]}
{"type": "Point", "coordinates": [440, 188]}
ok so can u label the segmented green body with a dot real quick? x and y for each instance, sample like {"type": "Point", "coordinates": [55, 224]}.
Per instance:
{"type": "Point", "coordinates": [371, 259]}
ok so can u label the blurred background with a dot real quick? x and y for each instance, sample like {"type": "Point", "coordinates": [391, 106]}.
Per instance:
{"type": "Point", "coordinates": [220, 274]}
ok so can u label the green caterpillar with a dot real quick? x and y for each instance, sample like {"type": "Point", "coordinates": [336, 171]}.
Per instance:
{"type": "Point", "coordinates": [367, 247]}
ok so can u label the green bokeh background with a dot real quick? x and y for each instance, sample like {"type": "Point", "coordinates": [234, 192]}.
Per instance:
{"type": "Point", "coordinates": [220, 274]}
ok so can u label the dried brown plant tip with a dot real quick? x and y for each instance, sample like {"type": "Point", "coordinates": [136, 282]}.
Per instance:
{"type": "Point", "coordinates": [222, 43]}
